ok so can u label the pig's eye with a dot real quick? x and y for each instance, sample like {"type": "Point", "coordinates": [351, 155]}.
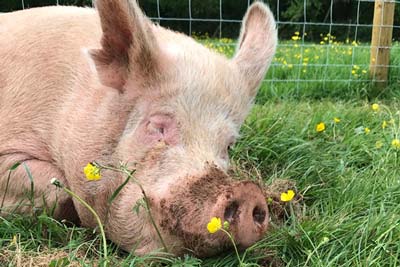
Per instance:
{"type": "Point", "coordinates": [160, 130]}
{"type": "Point", "coordinates": [155, 129]}
{"type": "Point", "coordinates": [161, 127]}
{"type": "Point", "coordinates": [228, 148]}
{"type": "Point", "coordinates": [230, 145]}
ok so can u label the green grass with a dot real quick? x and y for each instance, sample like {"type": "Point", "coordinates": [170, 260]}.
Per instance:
{"type": "Point", "coordinates": [350, 188]}
{"type": "Point", "coordinates": [338, 70]}
{"type": "Point", "coordinates": [332, 68]}
{"type": "Point", "coordinates": [347, 182]}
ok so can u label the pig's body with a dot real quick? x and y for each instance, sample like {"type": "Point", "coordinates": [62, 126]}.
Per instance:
{"type": "Point", "coordinates": [46, 95]}
{"type": "Point", "coordinates": [76, 89]}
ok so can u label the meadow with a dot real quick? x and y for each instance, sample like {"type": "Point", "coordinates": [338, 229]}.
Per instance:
{"type": "Point", "coordinates": [319, 128]}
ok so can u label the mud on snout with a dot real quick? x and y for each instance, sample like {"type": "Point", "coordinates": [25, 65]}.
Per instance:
{"type": "Point", "coordinates": [188, 209]}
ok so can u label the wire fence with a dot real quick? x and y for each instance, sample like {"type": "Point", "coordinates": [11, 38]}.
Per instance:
{"type": "Point", "coordinates": [312, 55]}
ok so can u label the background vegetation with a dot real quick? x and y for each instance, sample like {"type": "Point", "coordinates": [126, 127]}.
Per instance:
{"type": "Point", "coordinates": [343, 12]}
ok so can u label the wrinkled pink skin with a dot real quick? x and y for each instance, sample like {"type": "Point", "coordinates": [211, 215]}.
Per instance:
{"type": "Point", "coordinates": [75, 88]}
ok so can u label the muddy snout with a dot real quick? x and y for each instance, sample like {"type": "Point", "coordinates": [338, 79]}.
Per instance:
{"type": "Point", "coordinates": [243, 205]}
{"type": "Point", "coordinates": [189, 210]}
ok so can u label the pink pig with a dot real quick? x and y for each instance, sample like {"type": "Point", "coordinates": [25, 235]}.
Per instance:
{"type": "Point", "coordinates": [79, 85]}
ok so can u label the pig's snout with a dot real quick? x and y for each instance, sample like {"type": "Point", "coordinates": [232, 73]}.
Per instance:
{"type": "Point", "coordinates": [243, 205]}
{"type": "Point", "coordinates": [187, 214]}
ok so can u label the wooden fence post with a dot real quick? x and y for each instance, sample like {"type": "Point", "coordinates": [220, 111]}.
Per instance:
{"type": "Point", "coordinates": [381, 41]}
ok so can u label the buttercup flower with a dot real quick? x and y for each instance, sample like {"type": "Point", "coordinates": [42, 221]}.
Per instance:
{"type": "Point", "coordinates": [384, 124]}
{"type": "Point", "coordinates": [396, 143]}
{"type": "Point", "coordinates": [287, 196]}
{"type": "Point", "coordinates": [320, 127]}
{"type": "Point", "coordinates": [53, 180]}
{"type": "Point", "coordinates": [14, 240]}
{"type": "Point", "coordinates": [214, 225]}
{"type": "Point", "coordinates": [56, 182]}
{"type": "Point", "coordinates": [336, 120]}
{"type": "Point", "coordinates": [375, 107]}
{"type": "Point", "coordinates": [378, 144]}
{"type": "Point", "coordinates": [367, 130]}
{"type": "Point", "coordinates": [226, 225]}
{"type": "Point", "coordinates": [325, 240]}
{"type": "Point", "coordinates": [92, 172]}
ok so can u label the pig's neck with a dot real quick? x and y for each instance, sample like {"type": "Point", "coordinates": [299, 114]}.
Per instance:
{"type": "Point", "coordinates": [125, 225]}
{"type": "Point", "coordinates": [91, 122]}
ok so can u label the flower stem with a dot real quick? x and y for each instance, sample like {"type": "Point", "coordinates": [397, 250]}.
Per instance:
{"type": "Point", "coordinates": [152, 219]}
{"type": "Point", "coordinates": [292, 214]}
{"type": "Point", "coordinates": [84, 203]}
{"type": "Point", "coordinates": [234, 246]}
{"type": "Point", "coordinates": [334, 132]}
{"type": "Point", "coordinates": [146, 199]}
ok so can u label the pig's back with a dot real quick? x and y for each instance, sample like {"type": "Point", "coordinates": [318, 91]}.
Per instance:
{"type": "Point", "coordinates": [40, 63]}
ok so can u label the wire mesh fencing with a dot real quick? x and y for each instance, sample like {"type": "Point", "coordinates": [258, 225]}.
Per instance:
{"type": "Point", "coordinates": [323, 45]}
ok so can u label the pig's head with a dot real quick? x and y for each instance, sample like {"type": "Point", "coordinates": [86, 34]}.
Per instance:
{"type": "Point", "coordinates": [186, 105]}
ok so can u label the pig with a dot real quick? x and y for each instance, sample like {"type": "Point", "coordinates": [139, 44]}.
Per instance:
{"type": "Point", "coordinates": [107, 85]}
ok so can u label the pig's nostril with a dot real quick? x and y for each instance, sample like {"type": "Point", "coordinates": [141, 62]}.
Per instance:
{"type": "Point", "coordinates": [259, 215]}
{"type": "Point", "coordinates": [231, 211]}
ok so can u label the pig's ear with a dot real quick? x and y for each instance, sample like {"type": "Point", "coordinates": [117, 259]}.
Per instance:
{"type": "Point", "coordinates": [257, 44]}
{"type": "Point", "coordinates": [127, 44]}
